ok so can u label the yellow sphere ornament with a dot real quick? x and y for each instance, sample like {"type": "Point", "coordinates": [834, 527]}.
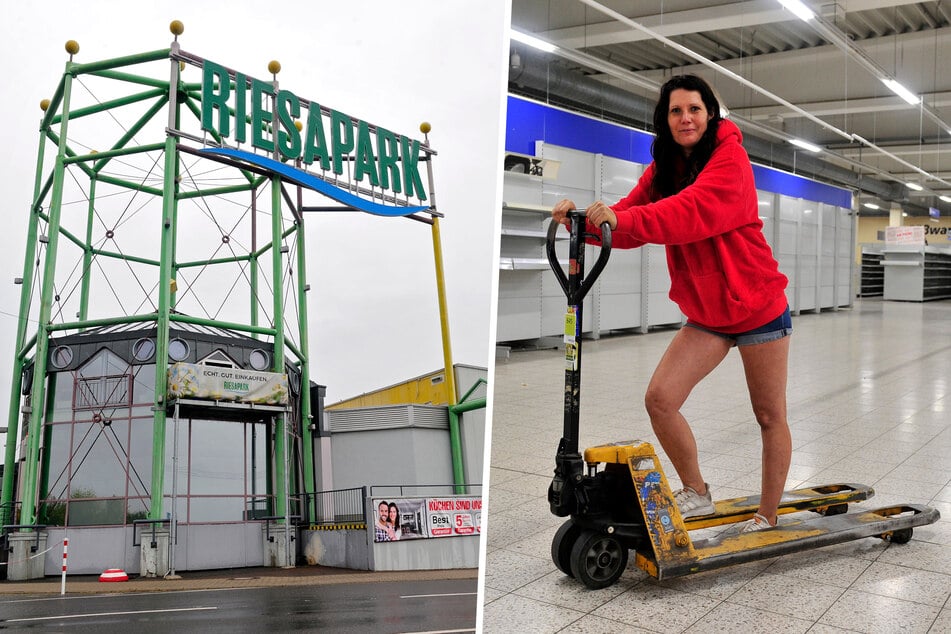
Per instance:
{"type": "Point", "coordinates": [72, 47]}
{"type": "Point", "coordinates": [298, 125]}
{"type": "Point", "coordinates": [44, 104]}
{"type": "Point", "coordinates": [274, 67]}
{"type": "Point", "coordinates": [176, 27]}
{"type": "Point", "coordinates": [424, 127]}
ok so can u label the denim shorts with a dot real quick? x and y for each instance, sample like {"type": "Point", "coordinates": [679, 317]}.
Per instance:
{"type": "Point", "coordinates": [776, 329]}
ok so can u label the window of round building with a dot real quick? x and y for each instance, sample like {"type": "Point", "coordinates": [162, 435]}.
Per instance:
{"type": "Point", "coordinates": [259, 360]}
{"type": "Point", "coordinates": [62, 356]}
{"type": "Point", "coordinates": [178, 350]}
{"type": "Point", "coordinates": [143, 349]}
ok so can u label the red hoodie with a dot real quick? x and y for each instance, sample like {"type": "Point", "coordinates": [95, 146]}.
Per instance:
{"type": "Point", "coordinates": [722, 271]}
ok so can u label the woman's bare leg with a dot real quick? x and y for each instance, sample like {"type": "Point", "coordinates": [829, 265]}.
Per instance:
{"type": "Point", "coordinates": [766, 367]}
{"type": "Point", "coordinates": [691, 355]}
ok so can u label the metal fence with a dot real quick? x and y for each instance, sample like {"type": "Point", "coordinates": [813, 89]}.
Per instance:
{"type": "Point", "coordinates": [335, 508]}
{"type": "Point", "coordinates": [422, 490]}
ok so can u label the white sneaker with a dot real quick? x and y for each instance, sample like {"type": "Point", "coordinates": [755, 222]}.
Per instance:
{"type": "Point", "coordinates": [758, 523]}
{"type": "Point", "coordinates": [692, 504]}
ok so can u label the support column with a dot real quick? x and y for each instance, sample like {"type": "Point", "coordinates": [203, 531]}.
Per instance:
{"type": "Point", "coordinates": [26, 287]}
{"type": "Point", "coordinates": [306, 407]}
{"type": "Point", "coordinates": [38, 392]}
{"type": "Point", "coordinates": [444, 316]}
{"type": "Point", "coordinates": [282, 451]}
{"type": "Point", "coordinates": [165, 296]}
{"type": "Point", "coordinates": [895, 217]}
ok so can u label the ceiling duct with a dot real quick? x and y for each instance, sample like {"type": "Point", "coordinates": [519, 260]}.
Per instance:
{"type": "Point", "coordinates": [537, 75]}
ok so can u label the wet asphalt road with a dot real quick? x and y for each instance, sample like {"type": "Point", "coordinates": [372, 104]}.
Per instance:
{"type": "Point", "coordinates": [447, 605]}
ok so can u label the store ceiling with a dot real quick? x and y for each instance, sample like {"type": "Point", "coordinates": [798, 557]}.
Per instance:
{"type": "Point", "coordinates": [781, 78]}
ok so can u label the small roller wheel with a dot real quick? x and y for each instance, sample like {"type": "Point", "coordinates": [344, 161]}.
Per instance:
{"type": "Point", "coordinates": [834, 509]}
{"type": "Point", "coordinates": [597, 560]}
{"type": "Point", "coordinates": [562, 544]}
{"type": "Point", "coordinates": [901, 536]}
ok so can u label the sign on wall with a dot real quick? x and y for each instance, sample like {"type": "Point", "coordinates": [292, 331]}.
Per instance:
{"type": "Point", "coordinates": [905, 235]}
{"type": "Point", "coordinates": [189, 380]}
{"type": "Point", "coordinates": [415, 518]}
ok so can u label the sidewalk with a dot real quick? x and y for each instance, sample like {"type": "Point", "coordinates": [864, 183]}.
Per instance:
{"type": "Point", "coordinates": [229, 578]}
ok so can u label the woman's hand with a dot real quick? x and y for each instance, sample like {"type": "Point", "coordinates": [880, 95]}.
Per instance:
{"type": "Point", "coordinates": [559, 213]}
{"type": "Point", "coordinates": [599, 213]}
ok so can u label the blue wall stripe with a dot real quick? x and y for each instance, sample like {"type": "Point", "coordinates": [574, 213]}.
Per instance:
{"type": "Point", "coordinates": [530, 121]}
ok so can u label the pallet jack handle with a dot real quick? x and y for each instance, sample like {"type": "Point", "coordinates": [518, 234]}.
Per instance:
{"type": "Point", "coordinates": [574, 291]}
{"type": "Point", "coordinates": [566, 494]}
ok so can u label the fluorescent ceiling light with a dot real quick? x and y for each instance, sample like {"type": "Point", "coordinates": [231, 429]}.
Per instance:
{"type": "Point", "coordinates": [901, 91]}
{"type": "Point", "coordinates": [805, 145]}
{"type": "Point", "coordinates": [871, 206]}
{"type": "Point", "coordinates": [799, 9]}
{"type": "Point", "coordinates": [914, 186]}
{"type": "Point", "coordinates": [532, 41]}
{"type": "Point", "coordinates": [946, 199]}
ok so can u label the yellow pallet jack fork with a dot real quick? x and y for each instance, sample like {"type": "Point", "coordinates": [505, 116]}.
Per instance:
{"type": "Point", "coordinates": [594, 549]}
{"type": "Point", "coordinates": [619, 500]}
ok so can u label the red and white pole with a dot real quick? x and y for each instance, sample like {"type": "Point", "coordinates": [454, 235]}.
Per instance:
{"type": "Point", "coordinates": [62, 587]}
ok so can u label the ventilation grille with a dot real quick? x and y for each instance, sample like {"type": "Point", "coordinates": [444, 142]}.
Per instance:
{"type": "Point", "coordinates": [389, 417]}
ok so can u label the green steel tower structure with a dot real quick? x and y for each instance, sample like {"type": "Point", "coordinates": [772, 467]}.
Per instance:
{"type": "Point", "coordinates": [163, 290]}
{"type": "Point", "coordinates": [132, 230]}
{"type": "Point", "coordinates": [161, 367]}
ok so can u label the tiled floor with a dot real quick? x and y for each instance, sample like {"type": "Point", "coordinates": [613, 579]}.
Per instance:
{"type": "Point", "coordinates": [869, 402]}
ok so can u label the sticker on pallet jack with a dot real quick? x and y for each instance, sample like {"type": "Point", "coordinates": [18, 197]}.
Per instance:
{"type": "Point", "coordinates": [571, 356]}
{"type": "Point", "coordinates": [571, 324]}
{"type": "Point", "coordinates": [571, 339]}
{"type": "Point", "coordinates": [657, 505]}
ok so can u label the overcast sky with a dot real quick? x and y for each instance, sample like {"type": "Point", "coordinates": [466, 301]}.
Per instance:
{"type": "Point", "coordinates": [373, 312]}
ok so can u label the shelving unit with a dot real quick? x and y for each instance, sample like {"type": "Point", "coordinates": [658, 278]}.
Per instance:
{"type": "Point", "coordinates": [917, 273]}
{"type": "Point", "coordinates": [630, 294]}
{"type": "Point", "coordinates": [872, 282]}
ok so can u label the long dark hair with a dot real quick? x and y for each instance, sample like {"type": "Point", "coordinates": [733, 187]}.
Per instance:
{"type": "Point", "coordinates": [396, 522]}
{"type": "Point", "coordinates": [668, 156]}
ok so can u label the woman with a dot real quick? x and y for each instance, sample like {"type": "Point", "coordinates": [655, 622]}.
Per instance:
{"type": "Point", "coordinates": [393, 522]}
{"type": "Point", "coordinates": [699, 199]}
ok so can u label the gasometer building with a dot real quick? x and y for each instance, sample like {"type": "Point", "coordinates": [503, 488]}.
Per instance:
{"type": "Point", "coordinates": [163, 391]}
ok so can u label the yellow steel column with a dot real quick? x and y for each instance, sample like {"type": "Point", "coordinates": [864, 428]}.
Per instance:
{"type": "Point", "coordinates": [443, 314]}
{"type": "Point", "coordinates": [424, 127]}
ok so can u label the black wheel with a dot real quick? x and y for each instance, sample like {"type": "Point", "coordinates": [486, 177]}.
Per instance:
{"type": "Point", "coordinates": [835, 509]}
{"type": "Point", "coordinates": [562, 544]}
{"type": "Point", "coordinates": [901, 536]}
{"type": "Point", "coordinates": [597, 560]}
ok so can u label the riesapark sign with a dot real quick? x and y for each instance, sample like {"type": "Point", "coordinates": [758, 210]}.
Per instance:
{"type": "Point", "coordinates": [243, 109]}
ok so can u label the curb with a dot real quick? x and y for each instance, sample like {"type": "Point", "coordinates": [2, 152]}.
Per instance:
{"type": "Point", "coordinates": [230, 579]}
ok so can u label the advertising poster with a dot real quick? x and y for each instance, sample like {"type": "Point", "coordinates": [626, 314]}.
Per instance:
{"type": "Point", "coordinates": [451, 516]}
{"type": "Point", "coordinates": [189, 380]}
{"type": "Point", "coordinates": [397, 519]}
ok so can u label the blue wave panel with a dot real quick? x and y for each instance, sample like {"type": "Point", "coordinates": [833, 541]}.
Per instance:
{"type": "Point", "coordinates": [312, 182]}
{"type": "Point", "coordinates": [530, 121]}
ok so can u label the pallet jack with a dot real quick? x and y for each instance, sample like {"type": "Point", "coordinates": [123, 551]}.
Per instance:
{"type": "Point", "coordinates": [619, 500]}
